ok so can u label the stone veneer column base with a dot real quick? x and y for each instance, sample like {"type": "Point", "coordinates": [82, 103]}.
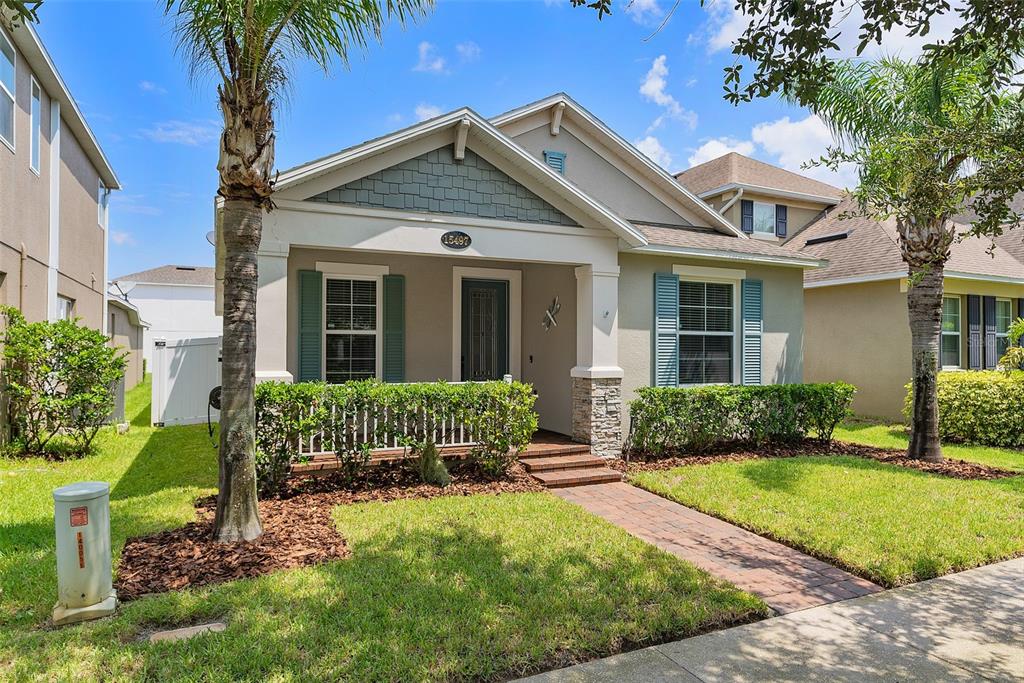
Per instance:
{"type": "Point", "coordinates": [597, 414]}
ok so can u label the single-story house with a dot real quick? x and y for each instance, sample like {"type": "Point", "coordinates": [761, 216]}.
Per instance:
{"type": "Point", "coordinates": [126, 328]}
{"type": "Point", "coordinates": [537, 244]}
{"type": "Point", "coordinates": [178, 302]}
{"type": "Point", "coordinates": [856, 323]}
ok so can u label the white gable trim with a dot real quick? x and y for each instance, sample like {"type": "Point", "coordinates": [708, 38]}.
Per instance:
{"type": "Point", "coordinates": [548, 184]}
{"type": "Point", "coordinates": [772, 192]}
{"type": "Point", "coordinates": [623, 152]}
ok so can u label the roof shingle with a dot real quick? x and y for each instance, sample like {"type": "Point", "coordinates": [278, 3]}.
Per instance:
{"type": "Point", "coordinates": [172, 275]}
{"type": "Point", "coordinates": [736, 168]}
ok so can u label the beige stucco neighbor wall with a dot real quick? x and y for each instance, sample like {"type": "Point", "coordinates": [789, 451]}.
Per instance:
{"type": "Point", "coordinates": [781, 359]}
{"type": "Point", "coordinates": [546, 357]}
{"type": "Point", "coordinates": [81, 236]}
{"type": "Point", "coordinates": [129, 338]}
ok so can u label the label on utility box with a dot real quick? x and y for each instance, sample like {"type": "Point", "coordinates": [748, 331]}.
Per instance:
{"type": "Point", "coordinates": [80, 516]}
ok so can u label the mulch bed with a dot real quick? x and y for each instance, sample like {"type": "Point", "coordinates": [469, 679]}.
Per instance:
{"type": "Point", "coordinates": [957, 469]}
{"type": "Point", "coordinates": [298, 530]}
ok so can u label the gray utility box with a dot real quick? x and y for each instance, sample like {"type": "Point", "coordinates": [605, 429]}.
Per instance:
{"type": "Point", "coordinates": [81, 518]}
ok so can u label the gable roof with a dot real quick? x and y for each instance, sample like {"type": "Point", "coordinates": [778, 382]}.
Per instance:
{"type": "Point", "coordinates": [634, 159]}
{"type": "Point", "coordinates": [734, 170]}
{"type": "Point", "coordinates": [172, 275]}
{"type": "Point", "coordinates": [480, 130]}
{"type": "Point", "coordinates": [31, 48]}
{"type": "Point", "coordinates": [1013, 242]}
{"type": "Point", "coordinates": [870, 251]}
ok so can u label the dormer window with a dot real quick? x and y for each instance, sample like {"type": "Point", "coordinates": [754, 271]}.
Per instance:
{"type": "Point", "coordinates": [762, 218]}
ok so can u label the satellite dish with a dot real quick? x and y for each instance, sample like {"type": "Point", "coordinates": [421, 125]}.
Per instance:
{"type": "Point", "coordinates": [211, 237]}
{"type": "Point", "coordinates": [125, 286]}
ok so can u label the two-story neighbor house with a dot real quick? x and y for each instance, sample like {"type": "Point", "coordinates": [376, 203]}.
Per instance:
{"type": "Point", "coordinates": [537, 244]}
{"type": "Point", "coordinates": [54, 186]}
{"type": "Point", "coordinates": [856, 322]}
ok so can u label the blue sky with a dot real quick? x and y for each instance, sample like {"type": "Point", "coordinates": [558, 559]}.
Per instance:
{"type": "Point", "coordinates": [159, 130]}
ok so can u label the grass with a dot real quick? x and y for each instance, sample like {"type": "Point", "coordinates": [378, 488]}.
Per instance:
{"type": "Point", "coordinates": [890, 524]}
{"type": "Point", "coordinates": [475, 587]}
{"type": "Point", "coordinates": [886, 435]}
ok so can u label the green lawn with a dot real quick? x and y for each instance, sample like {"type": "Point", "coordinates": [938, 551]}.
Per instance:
{"type": "Point", "coordinates": [888, 523]}
{"type": "Point", "coordinates": [886, 435]}
{"type": "Point", "coordinates": [474, 587]}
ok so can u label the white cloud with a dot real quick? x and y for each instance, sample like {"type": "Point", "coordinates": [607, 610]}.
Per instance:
{"type": "Point", "coordinates": [653, 88]}
{"type": "Point", "coordinates": [426, 111]}
{"type": "Point", "coordinates": [133, 203]}
{"type": "Point", "coordinates": [714, 148]}
{"type": "Point", "coordinates": [644, 11]}
{"type": "Point", "coordinates": [150, 86]}
{"type": "Point", "coordinates": [468, 51]}
{"type": "Point", "coordinates": [725, 24]}
{"type": "Point", "coordinates": [791, 144]}
{"type": "Point", "coordinates": [430, 61]}
{"type": "Point", "coordinates": [122, 238]}
{"type": "Point", "coordinates": [190, 133]}
{"type": "Point", "coordinates": [653, 149]}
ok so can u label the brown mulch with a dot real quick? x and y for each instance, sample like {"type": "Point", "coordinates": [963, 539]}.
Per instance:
{"type": "Point", "coordinates": [957, 469]}
{"type": "Point", "coordinates": [298, 530]}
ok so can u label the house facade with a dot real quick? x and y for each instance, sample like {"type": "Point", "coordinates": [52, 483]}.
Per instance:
{"type": "Point", "coordinates": [126, 329]}
{"type": "Point", "coordinates": [537, 244]}
{"type": "Point", "coordinates": [54, 187]}
{"type": "Point", "coordinates": [176, 301]}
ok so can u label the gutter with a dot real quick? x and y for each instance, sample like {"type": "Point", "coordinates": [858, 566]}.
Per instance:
{"type": "Point", "coordinates": [785, 261]}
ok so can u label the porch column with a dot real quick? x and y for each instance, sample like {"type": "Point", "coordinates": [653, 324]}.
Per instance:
{"type": "Point", "coordinates": [597, 377]}
{"type": "Point", "coordinates": [272, 314]}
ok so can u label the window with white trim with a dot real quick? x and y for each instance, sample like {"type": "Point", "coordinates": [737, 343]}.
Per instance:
{"type": "Point", "coordinates": [7, 89]}
{"type": "Point", "coordinates": [764, 218]}
{"type": "Point", "coordinates": [65, 308]}
{"type": "Point", "coordinates": [707, 335]}
{"type": "Point", "coordinates": [102, 197]}
{"type": "Point", "coordinates": [351, 330]}
{"type": "Point", "coordinates": [1004, 315]}
{"type": "Point", "coordinates": [950, 342]}
{"type": "Point", "coordinates": [36, 114]}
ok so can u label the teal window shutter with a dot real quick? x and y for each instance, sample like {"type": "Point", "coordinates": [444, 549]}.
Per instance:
{"type": "Point", "coordinates": [666, 330]}
{"type": "Point", "coordinates": [753, 327]}
{"type": "Point", "coordinates": [394, 328]}
{"type": "Point", "coordinates": [555, 160]}
{"type": "Point", "coordinates": [311, 328]}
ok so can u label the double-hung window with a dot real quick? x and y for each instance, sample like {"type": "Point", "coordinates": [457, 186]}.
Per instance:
{"type": "Point", "coordinates": [351, 329]}
{"type": "Point", "coordinates": [7, 90]}
{"type": "Point", "coordinates": [36, 127]}
{"type": "Point", "coordinates": [950, 350]}
{"type": "Point", "coordinates": [764, 218]}
{"type": "Point", "coordinates": [1004, 315]}
{"type": "Point", "coordinates": [65, 308]}
{"type": "Point", "coordinates": [707, 336]}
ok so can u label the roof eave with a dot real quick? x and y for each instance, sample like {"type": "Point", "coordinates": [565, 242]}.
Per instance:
{"type": "Point", "coordinates": [725, 255]}
{"type": "Point", "coordinates": [775, 192]}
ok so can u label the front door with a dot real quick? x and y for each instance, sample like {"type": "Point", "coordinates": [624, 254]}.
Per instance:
{"type": "Point", "coordinates": [484, 329]}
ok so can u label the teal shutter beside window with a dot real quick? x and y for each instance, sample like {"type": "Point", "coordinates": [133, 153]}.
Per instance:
{"type": "Point", "coordinates": [555, 160]}
{"type": "Point", "coordinates": [666, 330]}
{"type": "Point", "coordinates": [394, 328]}
{"type": "Point", "coordinates": [311, 327]}
{"type": "Point", "coordinates": [753, 326]}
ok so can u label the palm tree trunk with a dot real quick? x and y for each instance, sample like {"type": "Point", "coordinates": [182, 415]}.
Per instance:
{"type": "Point", "coordinates": [924, 305]}
{"type": "Point", "coordinates": [237, 513]}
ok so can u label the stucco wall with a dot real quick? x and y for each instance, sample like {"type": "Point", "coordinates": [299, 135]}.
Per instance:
{"type": "Point", "coordinates": [175, 312]}
{"type": "Point", "coordinates": [129, 338]}
{"type": "Point", "coordinates": [601, 180]}
{"type": "Point", "coordinates": [781, 358]}
{"type": "Point", "coordinates": [546, 358]}
{"type": "Point", "coordinates": [81, 236]}
{"type": "Point", "coordinates": [798, 214]}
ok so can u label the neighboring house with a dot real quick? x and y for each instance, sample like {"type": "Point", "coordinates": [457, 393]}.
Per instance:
{"type": "Point", "coordinates": [176, 301]}
{"type": "Point", "coordinates": [54, 186]}
{"type": "Point", "coordinates": [437, 252]}
{"type": "Point", "coordinates": [126, 328]}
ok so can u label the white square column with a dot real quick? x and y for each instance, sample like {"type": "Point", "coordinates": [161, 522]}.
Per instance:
{"type": "Point", "coordinates": [272, 314]}
{"type": "Point", "coordinates": [597, 377]}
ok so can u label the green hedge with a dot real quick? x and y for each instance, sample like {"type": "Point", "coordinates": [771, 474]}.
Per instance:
{"type": "Point", "coordinates": [498, 415]}
{"type": "Point", "coordinates": [983, 407]}
{"type": "Point", "coordinates": [667, 419]}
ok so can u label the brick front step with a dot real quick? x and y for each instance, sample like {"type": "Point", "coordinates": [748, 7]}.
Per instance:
{"type": "Point", "coordinates": [535, 451]}
{"type": "Point", "coordinates": [577, 477]}
{"type": "Point", "coordinates": [562, 462]}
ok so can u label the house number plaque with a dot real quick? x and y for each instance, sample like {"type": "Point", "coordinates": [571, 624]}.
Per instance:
{"type": "Point", "coordinates": [456, 239]}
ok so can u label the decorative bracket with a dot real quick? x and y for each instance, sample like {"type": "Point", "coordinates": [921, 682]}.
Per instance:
{"type": "Point", "coordinates": [461, 133]}
{"type": "Point", "coordinates": [556, 117]}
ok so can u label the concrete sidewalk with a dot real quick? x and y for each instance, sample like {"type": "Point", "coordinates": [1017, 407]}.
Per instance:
{"type": "Point", "coordinates": [966, 626]}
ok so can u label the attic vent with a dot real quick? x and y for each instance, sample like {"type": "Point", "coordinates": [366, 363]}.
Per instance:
{"type": "Point", "coordinates": [832, 237]}
{"type": "Point", "coordinates": [555, 160]}
{"type": "Point", "coordinates": [184, 267]}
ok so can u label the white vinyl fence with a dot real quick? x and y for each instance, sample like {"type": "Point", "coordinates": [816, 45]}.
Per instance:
{"type": "Point", "coordinates": [184, 373]}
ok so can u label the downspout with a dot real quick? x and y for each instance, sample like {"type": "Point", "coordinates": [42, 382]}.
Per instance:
{"type": "Point", "coordinates": [728, 204]}
{"type": "Point", "coordinates": [21, 278]}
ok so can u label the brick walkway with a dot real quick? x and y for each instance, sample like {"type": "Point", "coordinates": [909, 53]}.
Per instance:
{"type": "Point", "coordinates": [784, 578]}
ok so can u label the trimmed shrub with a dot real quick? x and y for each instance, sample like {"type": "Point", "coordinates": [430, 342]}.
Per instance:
{"type": "Point", "coordinates": [59, 379]}
{"type": "Point", "coordinates": [667, 419]}
{"type": "Point", "coordinates": [984, 407]}
{"type": "Point", "coordinates": [353, 418]}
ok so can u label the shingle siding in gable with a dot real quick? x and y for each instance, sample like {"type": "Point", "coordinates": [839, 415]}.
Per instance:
{"type": "Point", "coordinates": [436, 183]}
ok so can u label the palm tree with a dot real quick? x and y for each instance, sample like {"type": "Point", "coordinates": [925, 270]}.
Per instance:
{"type": "Point", "coordinates": [929, 140]}
{"type": "Point", "coordinates": [248, 46]}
